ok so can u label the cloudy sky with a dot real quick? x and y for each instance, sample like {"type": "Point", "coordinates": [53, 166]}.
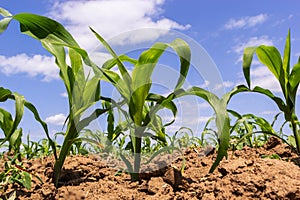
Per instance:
{"type": "Point", "coordinates": [217, 31]}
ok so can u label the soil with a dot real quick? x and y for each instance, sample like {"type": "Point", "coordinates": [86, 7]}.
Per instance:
{"type": "Point", "coordinates": [249, 173]}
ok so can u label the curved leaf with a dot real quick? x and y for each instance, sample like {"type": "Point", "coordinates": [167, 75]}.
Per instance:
{"type": "Point", "coordinates": [183, 51]}
{"type": "Point", "coordinates": [270, 57]}
{"type": "Point", "coordinates": [121, 66]}
{"type": "Point", "coordinates": [43, 28]}
{"type": "Point", "coordinates": [294, 79]}
{"type": "Point", "coordinates": [280, 103]}
{"type": "Point", "coordinates": [4, 94]}
{"type": "Point", "coordinates": [247, 60]}
{"type": "Point", "coordinates": [141, 80]}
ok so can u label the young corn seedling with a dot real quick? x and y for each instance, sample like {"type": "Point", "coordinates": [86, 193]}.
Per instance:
{"type": "Point", "coordinates": [138, 84]}
{"type": "Point", "coordinates": [83, 92]}
{"type": "Point", "coordinates": [9, 125]}
{"type": "Point", "coordinates": [250, 130]}
{"type": "Point", "coordinates": [135, 90]}
{"type": "Point", "coordinates": [288, 79]}
{"type": "Point", "coordinates": [14, 172]}
{"type": "Point", "coordinates": [222, 119]}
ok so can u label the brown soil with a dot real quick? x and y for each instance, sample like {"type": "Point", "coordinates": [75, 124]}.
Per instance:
{"type": "Point", "coordinates": [245, 175]}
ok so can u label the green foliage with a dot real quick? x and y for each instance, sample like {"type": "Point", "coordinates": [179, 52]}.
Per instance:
{"type": "Point", "coordinates": [185, 138]}
{"type": "Point", "coordinates": [9, 125]}
{"type": "Point", "coordinates": [82, 92]}
{"type": "Point", "coordinates": [138, 108]}
{"type": "Point", "coordinates": [32, 149]}
{"type": "Point", "coordinates": [222, 120]}
{"type": "Point", "coordinates": [273, 156]}
{"type": "Point", "coordinates": [14, 172]}
{"type": "Point", "coordinates": [288, 79]}
{"type": "Point", "coordinates": [250, 130]}
{"type": "Point", "coordinates": [135, 89]}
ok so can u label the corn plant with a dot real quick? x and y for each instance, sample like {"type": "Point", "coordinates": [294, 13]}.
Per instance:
{"type": "Point", "coordinates": [14, 172]}
{"type": "Point", "coordinates": [222, 119]}
{"type": "Point", "coordinates": [142, 83]}
{"type": "Point", "coordinates": [184, 138]}
{"type": "Point", "coordinates": [14, 134]}
{"type": "Point", "coordinates": [135, 90]}
{"type": "Point", "coordinates": [9, 125]}
{"type": "Point", "coordinates": [30, 148]}
{"type": "Point", "coordinates": [250, 130]}
{"type": "Point", "coordinates": [288, 79]}
{"type": "Point", "coordinates": [83, 92]}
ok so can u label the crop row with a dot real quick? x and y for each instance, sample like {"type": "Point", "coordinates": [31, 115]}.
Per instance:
{"type": "Point", "coordinates": [138, 105]}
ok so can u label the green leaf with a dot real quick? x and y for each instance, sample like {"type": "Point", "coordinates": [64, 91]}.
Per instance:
{"type": "Point", "coordinates": [247, 60]}
{"type": "Point", "coordinates": [43, 28]}
{"type": "Point", "coordinates": [270, 56]}
{"type": "Point", "coordinates": [6, 122]}
{"type": "Point", "coordinates": [15, 138]}
{"type": "Point", "coordinates": [4, 94]}
{"type": "Point", "coordinates": [121, 66]}
{"type": "Point", "coordinates": [86, 121]}
{"type": "Point", "coordinates": [281, 105]}
{"type": "Point", "coordinates": [114, 78]}
{"type": "Point", "coordinates": [114, 61]}
{"type": "Point", "coordinates": [294, 79]}
{"type": "Point", "coordinates": [4, 24]}
{"type": "Point", "coordinates": [5, 13]}
{"type": "Point", "coordinates": [162, 150]}
{"type": "Point", "coordinates": [183, 51]}
{"type": "Point", "coordinates": [141, 80]}
{"type": "Point", "coordinates": [286, 57]}
{"type": "Point", "coordinates": [142, 72]}
{"type": "Point", "coordinates": [127, 163]}
{"type": "Point", "coordinates": [27, 180]}
{"type": "Point", "coordinates": [5, 21]}
{"type": "Point", "coordinates": [161, 102]}
{"type": "Point", "coordinates": [19, 110]}
{"type": "Point", "coordinates": [222, 118]}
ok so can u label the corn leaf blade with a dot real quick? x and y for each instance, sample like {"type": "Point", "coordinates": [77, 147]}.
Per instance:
{"type": "Point", "coordinates": [247, 60]}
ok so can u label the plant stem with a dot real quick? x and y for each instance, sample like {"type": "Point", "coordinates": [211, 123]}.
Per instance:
{"type": "Point", "coordinates": [137, 160]}
{"type": "Point", "coordinates": [65, 149]}
{"type": "Point", "coordinates": [296, 135]}
{"type": "Point", "coordinates": [137, 153]}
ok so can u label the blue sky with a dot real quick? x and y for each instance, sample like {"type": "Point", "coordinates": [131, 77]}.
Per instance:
{"type": "Point", "coordinates": [221, 28]}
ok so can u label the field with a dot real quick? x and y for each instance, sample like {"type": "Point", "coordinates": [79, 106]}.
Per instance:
{"type": "Point", "coordinates": [235, 157]}
{"type": "Point", "coordinates": [245, 175]}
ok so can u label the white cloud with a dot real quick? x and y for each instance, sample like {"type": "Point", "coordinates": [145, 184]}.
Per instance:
{"type": "Point", "coordinates": [245, 22]}
{"type": "Point", "coordinates": [261, 76]}
{"type": "Point", "coordinates": [205, 84]}
{"type": "Point", "coordinates": [283, 21]}
{"type": "Point", "coordinates": [31, 65]}
{"type": "Point", "coordinates": [253, 41]}
{"type": "Point", "coordinates": [225, 84]}
{"type": "Point", "coordinates": [64, 94]}
{"type": "Point", "coordinates": [108, 17]}
{"type": "Point", "coordinates": [269, 112]}
{"type": "Point", "coordinates": [57, 119]}
{"type": "Point", "coordinates": [111, 18]}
